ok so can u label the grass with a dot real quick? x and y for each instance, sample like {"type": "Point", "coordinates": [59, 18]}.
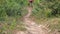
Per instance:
{"type": "Point", "coordinates": [54, 23]}
{"type": "Point", "coordinates": [11, 24]}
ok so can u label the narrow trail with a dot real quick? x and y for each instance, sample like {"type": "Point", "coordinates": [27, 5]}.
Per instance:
{"type": "Point", "coordinates": [32, 27]}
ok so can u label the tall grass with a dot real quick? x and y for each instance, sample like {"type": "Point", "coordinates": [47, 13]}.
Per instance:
{"type": "Point", "coordinates": [11, 12]}
{"type": "Point", "coordinates": [44, 11]}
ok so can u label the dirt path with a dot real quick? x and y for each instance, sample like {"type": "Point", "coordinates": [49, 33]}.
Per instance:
{"type": "Point", "coordinates": [32, 27]}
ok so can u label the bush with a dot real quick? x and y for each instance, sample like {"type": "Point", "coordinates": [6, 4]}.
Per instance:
{"type": "Point", "coordinates": [12, 8]}
{"type": "Point", "coordinates": [45, 8]}
{"type": "Point", "coordinates": [9, 9]}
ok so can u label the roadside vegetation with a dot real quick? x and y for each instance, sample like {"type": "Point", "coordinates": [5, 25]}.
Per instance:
{"type": "Point", "coordinates": [47, 12]}
{"type": "Point", "coordinates": [11, 13]}
{"type": "Point", "coordinates": [44, 12]}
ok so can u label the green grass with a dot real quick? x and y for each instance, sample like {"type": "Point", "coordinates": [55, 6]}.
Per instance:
{"type": "Point", "coordinates": [54, 23]}
{"type": "Point", "coordinates": [11, 13]}
{"type": "Point", "coordinates": [11, 24]}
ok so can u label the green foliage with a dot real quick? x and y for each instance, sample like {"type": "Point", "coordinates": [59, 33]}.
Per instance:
{"type": "Point", "coordinates": [45, 8]}
{"type": "Point", "coordinates": [12, 7]}
{"type": "Point", "coordinates": [10, 10]}
{"type": "Point", "coordinates": [11, 24]}
{"type": "Point", "coordinates": [17, 8]}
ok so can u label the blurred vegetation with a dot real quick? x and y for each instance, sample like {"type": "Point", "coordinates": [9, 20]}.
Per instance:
{"type": "Point", "coordinates": [46, 10]}
{"type": "Point", "coordinates": [11, 12]}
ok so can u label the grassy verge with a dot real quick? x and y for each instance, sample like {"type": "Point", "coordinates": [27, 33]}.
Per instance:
{"type": "Point", "coordinates": [10, 24]}
{"type": "Point", "coordinates": [52, 23]}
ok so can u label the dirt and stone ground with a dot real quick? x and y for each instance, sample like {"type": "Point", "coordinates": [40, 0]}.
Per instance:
{"type": "Point", "coordinates": [31, 26]}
